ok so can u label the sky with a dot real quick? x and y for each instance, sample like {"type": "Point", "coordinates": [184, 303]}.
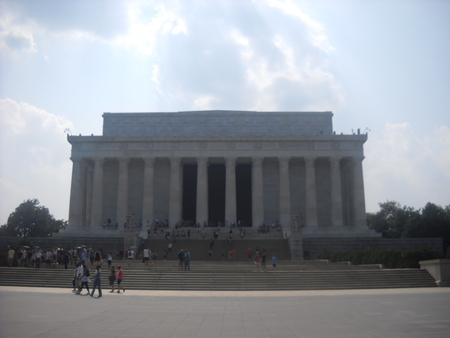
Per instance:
{"type": "Point", "coordinates": [381, 66]}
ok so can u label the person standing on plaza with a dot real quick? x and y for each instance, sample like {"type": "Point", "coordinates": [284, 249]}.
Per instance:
{"type": "Point", "coordinates": [274, 262]}
{"type": "Point", "coordinates": [187, 261]}
{"type": "Point", "coordinates": [119, 279]}
{"type": "Point", "coordinates": [154, 258]}
{"type": "Point", "coordinates": [249, 253]}
{"type": "Point", "coordinates": [97, 282]}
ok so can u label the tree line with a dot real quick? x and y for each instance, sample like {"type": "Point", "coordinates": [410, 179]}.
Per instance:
{"type": "Point", "coordinates": [396, 221]}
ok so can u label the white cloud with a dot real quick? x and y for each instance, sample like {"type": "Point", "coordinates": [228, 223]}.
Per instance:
{"type": "Point", "coordinates": [411, 170]}
{"type": "Point", "coordinates": [16, 39]}
{"type": "Point", "coordinates": [144, 30]}
{"type": "Point", "coordinates": [35, 158]}
{"type": "Point", "coordinates": [205, 102]}
{"type": "Point", "coordinates": [316, 30]}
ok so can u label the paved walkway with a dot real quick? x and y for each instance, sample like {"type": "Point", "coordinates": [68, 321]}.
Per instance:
{"type": "Point", "coordinates": [39, 312]}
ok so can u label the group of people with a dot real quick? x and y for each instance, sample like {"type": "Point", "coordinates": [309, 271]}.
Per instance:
{"type": "Point", "coordinates": [260, 259]}
{"type": "Point", "coordinates": [51, 258]}
{"type": "Point", "coordinates": [184, 260]}
{"type": "Point", "coordinates": [149, 256]}
{"type": "Point", "coordinates": [82, 275]}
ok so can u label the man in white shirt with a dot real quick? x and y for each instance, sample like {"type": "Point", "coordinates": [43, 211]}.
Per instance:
{"type": "Point", "coordinates": [146, 256]}
{"type": "Point", "coordinates": [79, 275]}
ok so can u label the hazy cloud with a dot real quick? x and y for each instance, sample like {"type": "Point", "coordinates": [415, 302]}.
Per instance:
{"type": "Point", "coordinates": [411, 168]}
{"type": "Point", "coordinates": [33, 148]}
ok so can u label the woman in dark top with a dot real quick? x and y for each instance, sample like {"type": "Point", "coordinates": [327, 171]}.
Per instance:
{"type": "Point", "coordinates": [98, 257]}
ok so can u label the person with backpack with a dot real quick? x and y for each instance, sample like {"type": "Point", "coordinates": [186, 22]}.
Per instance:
{"type": "Point", "coordinates": [130, 256]}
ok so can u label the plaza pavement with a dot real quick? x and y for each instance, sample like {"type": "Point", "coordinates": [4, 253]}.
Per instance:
{"type": "Point", "coordinates": [387, 313]}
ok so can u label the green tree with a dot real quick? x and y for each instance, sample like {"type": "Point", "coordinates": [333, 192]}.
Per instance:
{"type": "Point", "coordinates": [391, 219]}
{"type": "Point", "coordinates": [32, 220]}
{"type": "Point", "coordinates": [395, 221]}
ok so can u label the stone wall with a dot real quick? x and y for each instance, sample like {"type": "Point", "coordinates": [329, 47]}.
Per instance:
{"type": "Point", "coordinates": [315, 246]}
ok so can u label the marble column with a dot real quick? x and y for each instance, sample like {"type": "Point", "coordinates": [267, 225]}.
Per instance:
{"type": "Point", "coordinates": [75, 195]}
{"type": "Point", "coordinates": [311, 197]}
{"type": "Point", "coordinates": [285, 193]}
{"type": "Point", "coordinates": [175, 191]}
{"type": "Point", "coordinates": [89, 192]}
{"type": "Point", "coordinates": [230, 191]}
{"type": "Point", "coordinates": [336, 193]}
{"type": "Point", "coordinates": [122, 191]}
{"type": "Point", "coordinates": [257, 192]}
{"type": "Point", "coordinates": [148, 200]}
{"type": "Point", "coordinates": [97, 194]}
{"type": "Point", "coordinates": [83, 189]}
{"type": "Point", "coordinates": [202, 190]}
{"type": "Point", "coordinates": [359, 203]}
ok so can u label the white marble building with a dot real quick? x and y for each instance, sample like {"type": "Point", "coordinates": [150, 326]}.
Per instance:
{"type": "Point", "coordinates": [210, 166]}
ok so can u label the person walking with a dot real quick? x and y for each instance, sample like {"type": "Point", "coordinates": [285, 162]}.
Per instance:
{"type": "Point", "coordinates": [85, 278]}
{"type": "Point", "coordinates": [119, 280]}
{"type": "Point", "coordinates": [112, 277]}
{"type": "Point", "coordinates": [97, 282]}
{"type": "Point", "coordinates": [274, 263]}
{"type": "Point", "coordinates": [79, 277]}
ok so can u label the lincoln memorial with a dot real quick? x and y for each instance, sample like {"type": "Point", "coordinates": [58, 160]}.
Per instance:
{"type": "Point", "coordinates": [246, 167]}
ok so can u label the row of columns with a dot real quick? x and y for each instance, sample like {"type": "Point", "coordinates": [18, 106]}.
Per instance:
{"type": "Point", "coordinates": [91, 205]}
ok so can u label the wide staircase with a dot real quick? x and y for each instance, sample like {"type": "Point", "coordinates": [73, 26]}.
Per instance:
{"type": "Point", "coordinates": [233, 276]}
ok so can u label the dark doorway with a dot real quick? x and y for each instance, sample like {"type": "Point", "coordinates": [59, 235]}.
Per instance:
{"type": "Point", "coordinates": [216, 193]}
{"type": "Point", "coordinates": [244, 194]}
{"type": "Point", "coordinates": [189, 192]}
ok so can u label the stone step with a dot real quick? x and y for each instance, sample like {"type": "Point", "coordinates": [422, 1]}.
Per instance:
{"type": "Point", "coordinates": [171, 279]}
